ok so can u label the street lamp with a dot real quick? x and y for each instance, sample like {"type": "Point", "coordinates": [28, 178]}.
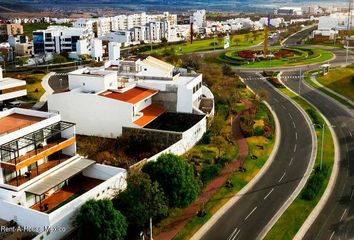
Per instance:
{"type": "Point", "coordinates": [323, 125]}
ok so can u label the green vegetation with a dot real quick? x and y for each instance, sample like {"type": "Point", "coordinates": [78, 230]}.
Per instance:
{"type": "Point", "coordinates": [293, 218]}
{"type": "Point", "coordinates": [236, 41]}
{"type": "Point", "coordinates": [301, 56]}
{"type": "Point", "coordinates": [176, 177]}
{"type": "Point", "coordinates": [97, 219]}
{"type": "Point", "coordinates": [340, 80]}
{"type": "Point", "coordinates": [235, 183]}
{"type": "Point", "coordinates": [143, 199]}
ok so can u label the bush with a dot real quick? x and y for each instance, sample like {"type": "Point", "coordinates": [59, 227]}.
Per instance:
{"type": "Point", "coordinates": [206, 139]}
{"type": "Point", "coordinates": [314, 116]}
{"type": "Point", "coordinates": [258, 131]}
{"type": "Point", "coordinates": [209, 172]}
{"type": "Point", "coordinates": [315, 183]}
{"type": "Point", "coordinates": [223, 161]}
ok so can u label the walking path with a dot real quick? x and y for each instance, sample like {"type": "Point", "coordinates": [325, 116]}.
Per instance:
{"type": "Point", "coordinates": [176, 226]}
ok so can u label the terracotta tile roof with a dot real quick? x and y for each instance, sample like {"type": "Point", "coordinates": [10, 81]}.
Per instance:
{"type": "Point", "coordinates": [16, 121]}
{"type": "Point", "coordinates": [132, 96]}
{"type": "Point", "coordinates": [150, 114]}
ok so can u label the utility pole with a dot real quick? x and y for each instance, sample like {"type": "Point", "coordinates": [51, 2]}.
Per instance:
{"type": "Point", "coordinates": [151, 229]}
{"type": "Point", "coordinates": [300, 78]}
{"type": "Point", "coordinates": [348, 28]}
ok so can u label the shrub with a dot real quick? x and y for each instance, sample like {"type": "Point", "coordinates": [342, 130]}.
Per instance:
{"type": "Point", "coordinates": [209, 172]}
{"type": "Point", "coordinates": [258, 131]}
{"type": "Point", "coordinates": [315, 183]}
{"type": "Point", "coordinates": [314, 116]}
{"type": "Point", "coordinates": [206, 139]}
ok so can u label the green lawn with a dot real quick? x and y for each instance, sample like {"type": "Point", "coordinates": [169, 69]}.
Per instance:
{"type": "Point", "coordinates": [340, 81]}
{"type": "Point", "coordinates": [236, 41]}
{"type": "Point", "coordinates": [317, 56]}
{"type": "Point", "coordinates": [293, 218]}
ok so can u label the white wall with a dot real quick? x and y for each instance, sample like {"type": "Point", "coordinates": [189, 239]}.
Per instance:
{"type": "Point", "coordinates": [94, 115]}
{"type": "Point", "coordinates": [92, 82]}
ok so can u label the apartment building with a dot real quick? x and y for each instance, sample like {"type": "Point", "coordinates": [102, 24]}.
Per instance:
{"type": "Point", "coordinates": [43, 181]}
{"type": "Point", "coordinates": [10, 89]}
{"type": "Point", "coordinates": [199, 18]}
{"type": "Point", "coordinates": [11, 29]}
{"type": "Point", "coordinates": [57, 39]}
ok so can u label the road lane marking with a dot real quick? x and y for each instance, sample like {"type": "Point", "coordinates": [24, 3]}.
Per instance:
{"type": "Point", "coordinates": [290, 115]}
{"type": "Point", "coordinates": [291, 161]}
{"type": "Point", "coordinates": [283, 107]}
{"type": "Point", "coordinates": [254, 209]}
{"type": "Point", "coordinates": [282, 177]}
{"type": "Point", "coordinates": [294, 124]}
{"type": "Point", "coordinates": [351, 196]}
{"type": "Point", "coordinates": [350, 133]}
{"type": "Point", "coordinates": [236, 234]}
{"type": "Point", "coordinates": [295, 147]}
{"type": "Point", "coordinates": [343, 214]}
{"type": "Point", "coordinates": [296, 135]}
{"type": "Point", "coordinates": [268, 194]}
{"type": "Point", "coordinates": [232, 234]}
{"type": "Point", "coordinates": [332, 235]}
{"type": "Point", "coordinates": [276, 100]}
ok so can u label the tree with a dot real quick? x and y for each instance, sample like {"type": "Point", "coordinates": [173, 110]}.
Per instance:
{"type": "Point", "coordinates": [176, 177]}
{"type": "Point", "coordinates": [164, 41]}
{"type": "Point", "coordinates": [23, 60]}
{"type": "Point", "coordinates": [227, 70]}
{"type": "Point", "coordinates": [141, 200]}
{"type": "Point", "coordinates": [219, 143]}
{"type": "Point", "coordinates": [236, 40]}
{"type": "Point", "coordinates": [97, 219]}
{"type": "Point", "coordinates": [57, 58]}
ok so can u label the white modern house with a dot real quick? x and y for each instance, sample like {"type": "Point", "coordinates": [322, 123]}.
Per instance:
{"type": "Point", "coordinates": [43, 181]}
{"type": "Point", "coordinates": [130, 93]}
{"type": "Point", "coordinates": [11, 88]}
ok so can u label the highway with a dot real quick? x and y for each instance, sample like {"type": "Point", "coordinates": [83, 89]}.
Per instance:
{"type": "Point", "coordinates": [249, 216]}
{"type": "Point", "coordinates": [336, 220]}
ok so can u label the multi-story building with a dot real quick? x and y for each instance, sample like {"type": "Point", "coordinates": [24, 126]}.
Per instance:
{"type": "Point", "coordinates": [24, 49]}
{"type": "Point", "coordinates": [13, 40]}
{"type": "Point", "coordinates": [57, 39]}
{"type": "Point", "coordinates": [289, 11]}
{"type": "Point", "coordinates": [130, 93]}
{"type": "Point", "coordinates": [43, 181]}
{"type": "Point", "coordinates": [10, 89]}
{"type": "Point", "coordinates": [11, 29]}
{"type": "Point", "coordinates": [199, 18]}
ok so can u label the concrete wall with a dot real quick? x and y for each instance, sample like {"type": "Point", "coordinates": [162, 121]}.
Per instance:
{"type": "Point", "coordinates": [167, 99]}
{"type": "Point", "coordinates": [94, 115]}
{"type": "Point", "coordinates": [90, 82]}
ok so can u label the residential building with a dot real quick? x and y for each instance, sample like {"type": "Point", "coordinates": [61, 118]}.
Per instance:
{"type": "Point", "coordinates": [24, 49]}
{"type": "Point", "coordinates": [13, 40]}
{"type": "Point", "coordinates": [43, 182]}
{"type": "Point", "coordinates": [10, 89]}
{"type": "Point", "coordinates": [97, 49]}
{"type": "Point", "coordinates": [57, 39]}
{"type": "Point", "coordinates": [130, 93]}
{"type": "Point", "coordinates": [124, 37]}
{"type": "Point", "coordinates": [289, 11]}
{"type": "Point", "coordinates": [199, 18]}
{"type": "Point", "coordinates": [11, 29]}
{"type": "Point", "coordinates": [114, 51]}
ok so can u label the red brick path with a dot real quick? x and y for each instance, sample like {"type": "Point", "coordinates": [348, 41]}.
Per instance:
{"type": "Point", "coordinates": [175, 227]}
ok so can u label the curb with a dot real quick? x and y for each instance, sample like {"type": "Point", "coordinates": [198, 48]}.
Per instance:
{"type": "Point", "coordinates": [48, 90]}
{"type": "Point", "coordinates": [201, 232]}
{"type": "Point", "coordinates": [303, 181]}
{"type": "Point", "coordinates": [335, 170]}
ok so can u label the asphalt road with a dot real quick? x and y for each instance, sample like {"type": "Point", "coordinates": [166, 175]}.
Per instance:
{"type": "Point", "coordinates": [297, 38]}
{"type": "Point", "coordinates": [336, 220]}
{"type": "Point", "coordinates": [249, 216]}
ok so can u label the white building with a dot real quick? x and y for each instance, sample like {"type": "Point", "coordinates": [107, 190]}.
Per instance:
{"type": "Point", "coordinates": [43, 181]}
{"type": "Point", "coordinates": [335, 21]}
{"type": "Point", "coordinates": [289, 11]}
{"type": "Point", "coordinates": [199, 18]}
{"type": "Point", "coordinates": [114, 51]}
{"type": "Point", "coordinates": [13, 40]}
{"type": "Point", "coordinates": [11, 88]}
{"type": "Point", "coordinates": [97, 49]}
{"type": "Point", "coordinates": [123, 37]}
{"type": "Point", "coordinates": [57, 39]}
{"type": "Point", "coordinates": [130, 93]}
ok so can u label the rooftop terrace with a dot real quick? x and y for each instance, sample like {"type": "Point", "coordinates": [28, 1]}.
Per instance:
{"type": "Point", "coordinates": [16, 121]}
{"type": "Point", "coordinates": [133, 96]}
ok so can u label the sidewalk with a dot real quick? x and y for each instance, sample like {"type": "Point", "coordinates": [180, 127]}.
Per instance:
{"type": "Point", "coordinates": [175, 227]}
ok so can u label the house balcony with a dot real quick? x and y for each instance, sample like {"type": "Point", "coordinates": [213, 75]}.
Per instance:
{"type": "Point", "coordinates": [39, 153]}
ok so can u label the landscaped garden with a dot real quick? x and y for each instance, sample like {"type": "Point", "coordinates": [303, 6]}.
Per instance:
{"type": "Point", "coordinates": [280, 57]}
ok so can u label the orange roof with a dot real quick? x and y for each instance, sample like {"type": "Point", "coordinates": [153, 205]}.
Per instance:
{"type": "Point", "coordinates": [16, 121]}
{"type": "Point", "coordinates": [132, 96]}
{"type": "Point", "coordinates": [150, 113]}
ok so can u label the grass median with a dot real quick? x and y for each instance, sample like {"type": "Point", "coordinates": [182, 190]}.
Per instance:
{"type": "Point", "coordinates": [292, 219]}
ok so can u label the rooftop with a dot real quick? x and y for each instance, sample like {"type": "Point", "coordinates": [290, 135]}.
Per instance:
{"type": "Point", "coordinates": [11, 82]}
{"type": "Point", "coordinates": [150, 113]}
{"type": "Point", "coordinates": [16, 121]}
{"type": "Point", "coordinates": [157, 63]}
{"type": "Point", "coordinates": [133, 96]}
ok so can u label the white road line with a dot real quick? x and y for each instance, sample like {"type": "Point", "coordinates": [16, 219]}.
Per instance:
{"type": "Point", "coordinates": [276, 100]}
{"type": "Point", "coordinates": [232, 234]}
{"type": "Point", "coordinates": [295, 147]}
{"type": "Point", "coordinates": [291, 116]}
{"type": "Point", "coordinates": [236, 234]}
{"type": "Point", "coordinates": [291, 161]}
{"type": "Point", "coordinates": [351, 195]}
{"type": "Point", "coordinates": [332, 235]}
{"type": "Point", "coordinates": [350, 133]}
{"type": "Point", "coordinates": [282, 177]}
{"type": "Point", "coordinates": [254, 209]}
{"type": "Point", "coordinates": [296, 135]}
{"type": "Point", "coordinates": [294, 124]}
{"type": "Point", "coordinates": [268, 194]}
{"type": "Point", "coordinates": [343, 214]}
{"type": "Point", "coordinates": [283, 107]}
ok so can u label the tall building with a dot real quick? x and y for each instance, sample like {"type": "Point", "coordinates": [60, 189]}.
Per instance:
{"type": "Point", "coordinates": [11, 29]}
{"type": "Point", "coordinates": [199, 18]}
